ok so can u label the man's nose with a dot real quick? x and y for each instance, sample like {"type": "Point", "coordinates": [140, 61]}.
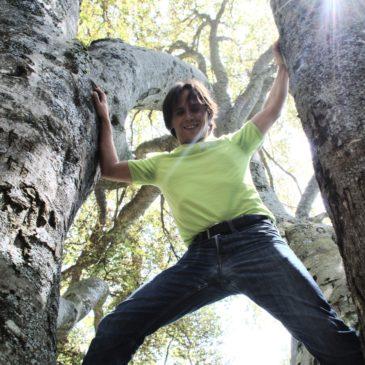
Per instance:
{"type": "Point", "coordinates": [189, 114]}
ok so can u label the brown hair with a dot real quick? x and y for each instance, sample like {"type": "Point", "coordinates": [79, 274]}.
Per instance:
{"type": "Point", "coordinates": [196, 89]}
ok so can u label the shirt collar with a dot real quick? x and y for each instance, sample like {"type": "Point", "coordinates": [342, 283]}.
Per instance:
{"type": "Point", "coordinates": [194, 146]}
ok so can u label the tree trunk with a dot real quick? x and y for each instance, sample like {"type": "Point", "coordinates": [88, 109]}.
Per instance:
{"type": "Point", "coordinates": [48, 154]}
{"type": "Point", "coordinates": [324, 47]}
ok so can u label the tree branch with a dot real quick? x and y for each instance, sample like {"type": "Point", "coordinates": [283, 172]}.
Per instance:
{"type": "Point", "coordinates": [190, 52]}
{"type": "Point", "coordinates": [101, 202]}
{"type": "Point", "coordinates": [220, 87]}
{"type": "Point", "coordinates": [319, 217]}
{"type": "Point", "coordinates": [203, 16]}
{"type": "Point", "coordinates": [128, 69]}
{"type": "Point", "coordinates": [267, 168]}
{"type": "Point", "coordinates": [246, 101]}
{"type": "Point", "coordinates": [160, 144]}
{"type": "Point", "coordinates": [266, 192]}
{"type": "Point", "coordinates": [165, 230]}
{"type": "Point", "coordinates": [77, 302]}
{"type": "Point", "coordinates": [99, 241]}
{"type": "Point", "coordinates": [196, 38]}
{"type": "Point", "coordinates": [168, 350]}
{"type": "Point", "coordinates": [307, 199]}
{"type": "Point", "coordinates": [258, 107]}
{"type": "Point", "coordinates": [131, 124]}
{"type": "Point", "coordinates": [282, 169]}
{"type": "Point", "coordinates": [221, 10]}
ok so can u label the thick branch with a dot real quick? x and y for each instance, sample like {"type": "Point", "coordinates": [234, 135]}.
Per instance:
{"type": "Point", "coordinates": [266, 192]}
{"type": "Point", "coordinates": [220, 87]}
{"type": "Point", "coordinates": [267, 168]}
{"type": "Point", "coordinates": [247, 100]}
{"type": "Point", "coordinates": [203, 16]}
{"type": "Point", "coordinates": [160, 144]}
{"type": "Point", "coordinates": [307, 199]}
{"type": "Point", "coordinates": [221, 10]}
{"type": "Point", "coordinates": [196, 38]}
{"type": "Point", "coordinates": [319, 217]}
{"type": "Point", "coordinates": [190, 52]}
{"type": "Point", "coordinates": [258, 107]}
{"type": "Point", "coordinates": [136, 77]}
{"type": "Point", "coordinates": [79, 299]}
{"type": "Point", "coordinates": [101, 202]}
{"type": "Point", "coordinates": [135, 208]}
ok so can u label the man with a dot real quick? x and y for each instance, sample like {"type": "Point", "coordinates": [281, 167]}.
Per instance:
{"type": "Point", "coordinates": [233, 244]}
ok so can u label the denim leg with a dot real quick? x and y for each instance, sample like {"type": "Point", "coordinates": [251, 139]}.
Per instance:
{"type": "Point", "coordinates": [268, 272]}
{"type": "Point", "coordinates": [181, 289]}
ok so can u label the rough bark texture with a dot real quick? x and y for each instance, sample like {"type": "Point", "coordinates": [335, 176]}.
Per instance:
{"type": "Point", "coordinates": [325, 54]}
{"type": "Point", "coordinates": [48, 156]}
{"type": "Point", "coordinates": [42, 179]}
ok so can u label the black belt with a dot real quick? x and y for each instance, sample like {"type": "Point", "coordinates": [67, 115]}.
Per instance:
{"type": "Point", "coordinates": [230, 226]}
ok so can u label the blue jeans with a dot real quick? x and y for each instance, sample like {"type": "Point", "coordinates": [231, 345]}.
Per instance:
{"type": "Point", "coordinates": [254, 261]}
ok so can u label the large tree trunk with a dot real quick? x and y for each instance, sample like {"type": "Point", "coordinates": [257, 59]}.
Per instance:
{"type": "Point", "coordinates": [48, 152]}
{"type": "Point", "coordinates": [324, 47]}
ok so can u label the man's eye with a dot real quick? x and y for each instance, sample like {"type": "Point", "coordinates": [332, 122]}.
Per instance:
{"type": "Point", "coordinates": [179, 112]}
{"type": "Point", "coordinates": [197, 108]}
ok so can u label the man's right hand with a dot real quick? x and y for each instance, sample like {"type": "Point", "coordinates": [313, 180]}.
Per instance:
{"type": "Point", "coordinates": [100, 103]}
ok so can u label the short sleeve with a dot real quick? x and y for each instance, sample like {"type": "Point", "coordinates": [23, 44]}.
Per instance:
{"type": "Point", "coordinates": [143, 172]}
{"type": "Point", "coordinates": [248, 137]}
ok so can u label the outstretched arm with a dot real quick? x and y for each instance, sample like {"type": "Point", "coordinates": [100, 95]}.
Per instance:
{"type": "Point", "coordinates": [277, 96]}
{"type": "Point", "coordinates": [111, 168]}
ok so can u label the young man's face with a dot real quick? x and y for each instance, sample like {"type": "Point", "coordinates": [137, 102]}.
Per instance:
{"type": "Point", "coordinates": [190, 119]}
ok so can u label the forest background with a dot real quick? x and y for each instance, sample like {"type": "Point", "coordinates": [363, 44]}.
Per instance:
{"type": "Point", "coordinates": [151, 243]}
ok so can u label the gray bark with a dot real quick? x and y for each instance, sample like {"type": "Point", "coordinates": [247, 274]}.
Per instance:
{"type": "Point", "coordinates": [306, 201]}
{"type": "Point", "coordinates": [42, 181]}
{"type": "Point", "coordinates": [79, 299]}
{"type": "Point", "coordinates": [48, 156]}
{"type": "Point", "coordinates": [266, 192]}
{"type": "Point", "coordinates": [325, 54]}
{"type": "Point", "coordinates": [246, 101]}
{"type": "Point", "coordinates": [221, 85]}
{"type": "Point", "coordinates": [315, 245]}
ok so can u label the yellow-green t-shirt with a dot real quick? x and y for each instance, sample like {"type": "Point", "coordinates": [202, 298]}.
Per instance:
{"type": "Point", "coordinates": [206, 182]}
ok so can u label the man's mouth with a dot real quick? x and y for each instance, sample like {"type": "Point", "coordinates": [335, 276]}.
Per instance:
{"type": "Point", "coordinates": [191, 126]}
